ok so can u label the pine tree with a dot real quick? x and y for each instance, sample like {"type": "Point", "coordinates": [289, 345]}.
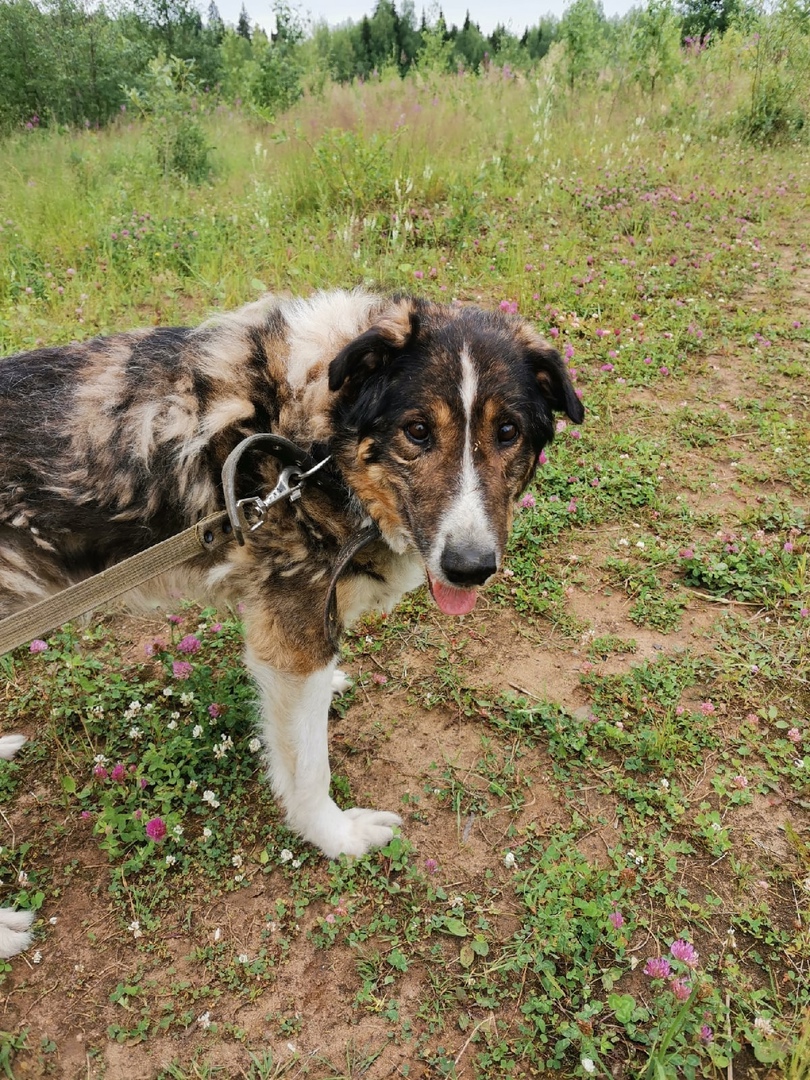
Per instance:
{"type": "Point", "coordinates": [243, 26]}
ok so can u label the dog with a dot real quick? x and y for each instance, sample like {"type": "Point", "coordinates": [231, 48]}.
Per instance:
{"type": "Point", "coordinates": [432, 417]}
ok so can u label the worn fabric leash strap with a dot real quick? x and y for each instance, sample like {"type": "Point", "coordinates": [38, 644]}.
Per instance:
{"type": "Point", "coordinates": [207, 535]}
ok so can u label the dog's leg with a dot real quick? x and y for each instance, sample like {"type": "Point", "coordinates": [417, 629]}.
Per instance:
{"type": "Point", "coordinates": [14, 925]}
{"type": "Point", "coordinates": [295, 712]}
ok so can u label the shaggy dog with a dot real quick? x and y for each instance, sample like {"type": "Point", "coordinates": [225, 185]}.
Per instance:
{"type": "Point", "coordinates": [433, 417]}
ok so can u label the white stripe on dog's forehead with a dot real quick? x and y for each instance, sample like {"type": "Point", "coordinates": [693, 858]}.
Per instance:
{"type": "Point", "coordinates": [469, 384]}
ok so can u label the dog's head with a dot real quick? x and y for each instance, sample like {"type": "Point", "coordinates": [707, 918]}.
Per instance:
{"type": "Point", "coordinates": [439, 417]}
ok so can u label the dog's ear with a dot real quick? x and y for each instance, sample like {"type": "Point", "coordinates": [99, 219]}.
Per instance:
{"type": "Point", "coordinates": [553, 379]}
{"type": "Point", "coordinates": [389, 335]}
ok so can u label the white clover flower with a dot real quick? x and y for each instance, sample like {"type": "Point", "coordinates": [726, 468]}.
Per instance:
{"type": "Point", "coordinates": [170, 860]}
{"type": "Point", "coordinates": [457, 903]}
{"type": "Point", "coordinates": [238, 877]}
{"type": "Point", "coordinates": [174, 715]}
{"type": "Point", "coordinates": [178, 830]}
{"type": "Point", "coordinates": [54, 919]}
{"type": "Point", "coordinates": [509, 860]}
{"type": "Point", "coordinates": [243, 958]}
{"type": "Point", "coordinates": [665, 784]}
{"type": "Point", "coordinates": [134, 708]}
{"type": "Point", "coordinates": [254, 746]}
{"type": "Point", "coordinates": [100, 759]}
{"type": "Point", "coordinates": [135, 733]}
{"type": "Point", "coordinates": [22, 878]}
{"type": "Point", "coordinates": [172, 724]}
{"type": "Point", "coordinates": [186, 699]}
{"type": "Point", "coordinates": [196, 731]}
{"type": "Point", "coordinates": [763, 1024]}
{"type": "Point", "coordinates": [37, 957]}
{"type": "Point", "coordinates": [210, 798]}
{"type": "Point", "coordinates": [135, 929]}
{"type": "Point", "coordinates": [168, 691]}
{"type": "Point", "coordinates": [192, 785]}
{"type": "Point", "coordinates": [295, 864]}
{"type": "Point", "coordinates": [204, 1020]}
{"type": "Point", "coordinates": [285, 855]}
{"type": "Point", "coordinates": [588, 1065]}
{"type": "Point", "coordinates": [219, 751]}
{"type": "Point", "coordinates": [207, 833]}
{"type": "Point", "coordinates": [236, 861]}
{"type": "Point", "coordinates": [150, 707]}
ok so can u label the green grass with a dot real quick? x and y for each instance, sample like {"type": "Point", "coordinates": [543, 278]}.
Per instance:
{"type": "Point", "coordinates": [564, 824]}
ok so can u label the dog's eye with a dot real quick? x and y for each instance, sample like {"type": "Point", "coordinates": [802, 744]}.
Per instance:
{"type": "Point", "coordinates": [507, 433]}
{"type": "Point", "coordinates": [418, 432]}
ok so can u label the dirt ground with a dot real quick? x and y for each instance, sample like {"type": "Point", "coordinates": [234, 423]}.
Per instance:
{"type": "Point", "coordinates": [384, 745]}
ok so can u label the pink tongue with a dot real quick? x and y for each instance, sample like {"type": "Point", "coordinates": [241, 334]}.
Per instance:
{"type": "Point", "coordinates": [453, 601]}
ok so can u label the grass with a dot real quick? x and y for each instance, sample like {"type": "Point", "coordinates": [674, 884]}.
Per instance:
{"type": "Point", "coordinates": [604, 868]}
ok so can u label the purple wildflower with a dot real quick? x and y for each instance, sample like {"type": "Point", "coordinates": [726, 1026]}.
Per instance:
{"type": "Point", "coordinates": [156, 829]}
{"type": "Point", "coordinates": [38, 646]}
{"type": "Point", "coordinates": [528, 501]}
{"type": "Point", "coordinates": [189, 644]}
{"type": "Point", "coordinates": [684, 951]}
{"type": "Point", "coordinates": [617, 919]}
{"type": "Point", "coordinates": [681, 989]}
{"type": "Point", "coordinates": [181, 669]}
{"type": "Point", "coordinates": [657, 967]}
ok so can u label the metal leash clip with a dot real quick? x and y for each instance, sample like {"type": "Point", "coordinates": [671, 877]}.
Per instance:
{"type": "Point", "coordinates": [250, 513]}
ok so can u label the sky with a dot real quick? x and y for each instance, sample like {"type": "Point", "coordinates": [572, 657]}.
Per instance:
{"type": "Point", "coordinates": [516, 15]}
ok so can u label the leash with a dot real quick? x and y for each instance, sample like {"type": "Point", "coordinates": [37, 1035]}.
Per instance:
{"type": "Point", "coordinates": [208, 535]}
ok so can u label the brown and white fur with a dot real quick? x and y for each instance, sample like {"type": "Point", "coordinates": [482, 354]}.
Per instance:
{"type": "Point", "coordinates": [434, 416]}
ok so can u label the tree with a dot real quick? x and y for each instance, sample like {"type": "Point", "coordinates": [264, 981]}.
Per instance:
{"type": "Point", "coordinates": [278, 82]}
{"type": "Point", "coordinates": [243, 25]}
{"type": "Point", "coordinates": [215, 27]}
{"type": "Point", "coordinates": [703, 17]}
{"type": "Point", "coordinates": [655, 44]}
{"type": "Point", "coordinates": [581, 30]}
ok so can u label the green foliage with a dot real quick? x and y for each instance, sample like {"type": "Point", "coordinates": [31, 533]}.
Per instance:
{"type": "Point", "coordinates": [277, 82]}
{"type": "Point", "coordinates": [764, 567]}
{"type": "Point", "coordinates": [581, 31]}
{"type": "Point", "coordinates": [654, 52]}
{"type": "Point", "coordinates": [169, 101]}
{"type": "Point", "coordinates": [779, 62]}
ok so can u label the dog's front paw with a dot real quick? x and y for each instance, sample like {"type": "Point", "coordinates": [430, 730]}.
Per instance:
{"type": "Point", "coordinates": [15, 931]}
{"type": "Point", "coordinates": [340, 682]}
{"type": "Point", "coordinates": [368, 829]}
{"type": "Point", "coordinates": [10, 744]}
{"type": "Point", "coordinates": [347, 832]}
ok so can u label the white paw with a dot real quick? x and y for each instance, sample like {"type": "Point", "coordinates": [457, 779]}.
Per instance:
{"type": "Point", "coordinates": [10, 744]}
{"type": "Point", "coordinates": [14, 931]}
{"type": "Point", "coordinates": [346, 832]}
{"type": "Point", "coordinates": [340, 682]}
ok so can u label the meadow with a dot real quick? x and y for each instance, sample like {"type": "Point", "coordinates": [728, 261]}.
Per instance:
{"type": "Point", "coordinates": [604, 868]}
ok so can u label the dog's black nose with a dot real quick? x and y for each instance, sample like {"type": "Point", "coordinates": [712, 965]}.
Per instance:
{"type": "Point", "coordinates": [468, 565]}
